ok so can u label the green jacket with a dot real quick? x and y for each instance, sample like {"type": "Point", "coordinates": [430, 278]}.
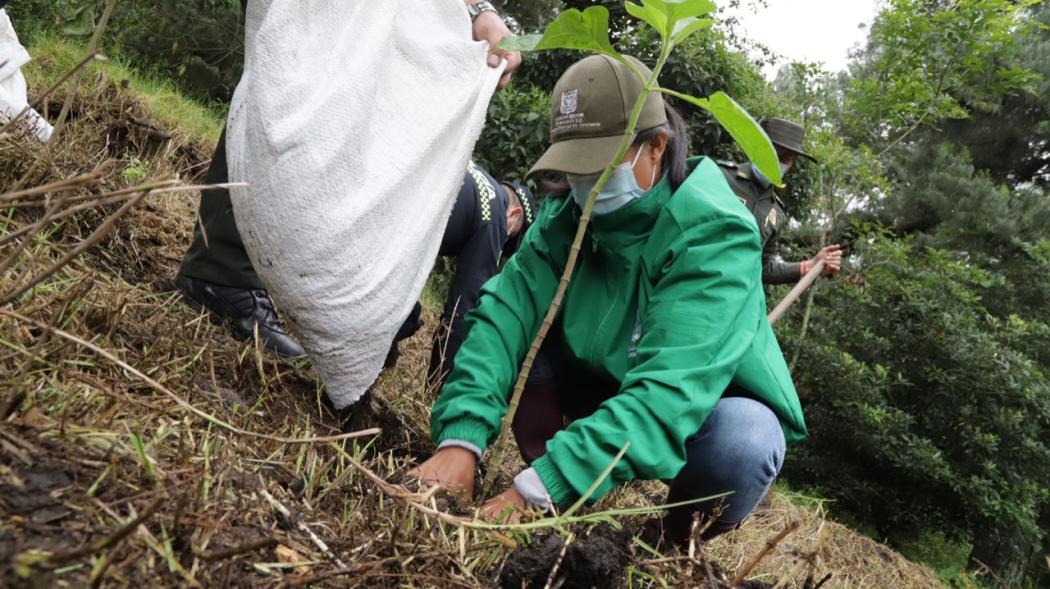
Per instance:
{"type": "Point", "coordinates": [768, 210]}
{"type": "Point", "coordinates": [666, 300]}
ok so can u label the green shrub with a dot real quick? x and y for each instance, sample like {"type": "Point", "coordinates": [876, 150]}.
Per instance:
{"type": "Point", "coordinates": [926, 412]}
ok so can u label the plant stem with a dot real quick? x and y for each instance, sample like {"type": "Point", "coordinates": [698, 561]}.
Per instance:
{"type": "Point", "coordinates": [494, 462]}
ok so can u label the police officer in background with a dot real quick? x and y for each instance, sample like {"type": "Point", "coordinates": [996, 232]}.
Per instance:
{"type": "Point", "coordinates": [759, 195]}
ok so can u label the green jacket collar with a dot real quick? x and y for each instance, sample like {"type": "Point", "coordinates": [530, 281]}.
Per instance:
{"type": "Point", "coordinates": [634, 221]}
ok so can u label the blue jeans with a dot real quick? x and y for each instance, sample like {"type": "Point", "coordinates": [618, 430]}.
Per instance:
{"type": "Point", "coordinates": [739, 448]}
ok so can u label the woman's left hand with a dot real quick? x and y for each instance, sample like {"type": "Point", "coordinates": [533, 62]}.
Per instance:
{"type": "Point", "coordinates": [505, 508]}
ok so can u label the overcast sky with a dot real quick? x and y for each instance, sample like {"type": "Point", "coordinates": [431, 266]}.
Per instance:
{"type": "Point", "coordinates": [809, 30]}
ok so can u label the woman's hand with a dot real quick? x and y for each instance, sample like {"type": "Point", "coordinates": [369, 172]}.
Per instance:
{"type": "Point", "coordinates": [505, 508]}
{"type": "Point", "coordinates": [832, 256]}
{"type": "Point", "coordinates": [488, 26]}
{"type": "Point", "coordinates": [451, 468]}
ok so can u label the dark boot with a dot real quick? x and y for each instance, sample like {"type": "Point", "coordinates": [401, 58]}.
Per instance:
{"type": "Point", "coordinates": [243, 310]}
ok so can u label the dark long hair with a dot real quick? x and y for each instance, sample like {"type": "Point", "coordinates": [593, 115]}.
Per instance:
{"type": "Point", "coordinates": [675, 155]}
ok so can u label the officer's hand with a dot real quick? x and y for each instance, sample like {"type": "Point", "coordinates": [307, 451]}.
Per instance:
{"type": "Point", "coordinates": [452, 468]}
{"type": "Point", "coordinates": [832, 255]}
{"type": "Point", "coordinates": [488, 26]}
{"type": "Point", "coordinates": [506, 507]}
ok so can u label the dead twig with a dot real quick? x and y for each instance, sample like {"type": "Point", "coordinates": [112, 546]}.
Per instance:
{"type": "Point", "coordinates": [769, 546]}
{"type": "Point", "coordinates": [237, 550]}
{"type": "Point", "coordinates": [557, 563]}
{"type": "Point", "coordinates": [179, 400]}
{"type": "Point", "coordinates": [116, 536]}
{"type": "Point", "coordinates": [61, 185]}
{"type": "Point", "coordinates": [95, 237]}
{"type": "Point", "coordinates": [318, 542]}
{"type": "Point", "coordinates": [357, 570]}
{"type": "Point", "coordinates": [807, 559]}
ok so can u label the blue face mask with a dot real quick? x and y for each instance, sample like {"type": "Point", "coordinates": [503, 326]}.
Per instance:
{"type": "Point", "coordinates": [784, 168]}
{"type": "Point", "coordinates": [621, 190]}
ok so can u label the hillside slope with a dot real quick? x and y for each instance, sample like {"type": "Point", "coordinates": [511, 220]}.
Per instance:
{"type": "Point", "coordinates": [138, 442]}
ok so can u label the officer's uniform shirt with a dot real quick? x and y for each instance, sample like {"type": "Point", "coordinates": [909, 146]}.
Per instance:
{"type": "Point", "coordinates": [476, 236]}
{"type": "Point", "coordinates": [768, 210]}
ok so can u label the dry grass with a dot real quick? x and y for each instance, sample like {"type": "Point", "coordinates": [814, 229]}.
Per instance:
{"type": "Point", "coordinates": [105, 481]}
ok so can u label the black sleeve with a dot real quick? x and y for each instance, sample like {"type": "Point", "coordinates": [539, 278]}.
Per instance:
{"type": "Point", "coordinates": [775, 270]}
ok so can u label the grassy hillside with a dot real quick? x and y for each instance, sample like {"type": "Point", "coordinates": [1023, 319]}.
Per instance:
{"type": "Point", "coordinates": [143, 446]}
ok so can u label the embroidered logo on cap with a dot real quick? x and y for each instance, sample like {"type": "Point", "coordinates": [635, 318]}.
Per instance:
{"type": "Point", "coordinates": [568, 102]}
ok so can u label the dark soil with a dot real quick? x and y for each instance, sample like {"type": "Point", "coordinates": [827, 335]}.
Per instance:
{"type": "Point", "coordinates": [598, 559]}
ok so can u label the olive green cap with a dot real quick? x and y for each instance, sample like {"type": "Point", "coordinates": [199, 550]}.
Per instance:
{"type": "Point", "coordinates": [786, 134]}
{"type": "Point", "coordinates": [590, 108]}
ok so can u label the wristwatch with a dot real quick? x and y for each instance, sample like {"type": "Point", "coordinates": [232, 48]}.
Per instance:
{"type": "Point", "coordinates": [475, 10]}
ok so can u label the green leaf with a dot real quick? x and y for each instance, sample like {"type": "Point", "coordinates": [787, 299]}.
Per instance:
{"type": "Point", "coordinates": [687, 27]}
{"type": "Point", "coordinates": [650, 15]}
{"type": "Point", "coordinates": [745, 131]}
{"type": "Point", "coordinates": [585, 31]}
{"type": "Point", "coordinates": [670, 18]}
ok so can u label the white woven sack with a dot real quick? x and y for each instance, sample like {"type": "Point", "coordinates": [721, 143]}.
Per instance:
{"type": "Point", "coordinates": [352, 125]}
{"type": "Point", "coordinates": [13, 101]}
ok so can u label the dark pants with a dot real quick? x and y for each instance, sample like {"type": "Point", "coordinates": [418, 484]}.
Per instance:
{"type": "Point", "coordinates": [739, 448]}
{"type": "Point", "coordinates": [217, 253]}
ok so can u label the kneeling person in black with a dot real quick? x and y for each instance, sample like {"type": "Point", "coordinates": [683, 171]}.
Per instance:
{"type": "Point", "coordinates": [487, 221]}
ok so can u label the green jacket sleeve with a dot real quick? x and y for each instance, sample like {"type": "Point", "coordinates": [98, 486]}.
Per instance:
{"type": "Point", "coordinates": [703, 312]}
{"type": "Point", "coordinates": [499, 331]}
{"type": "Point", "coordinates": [775, 270]}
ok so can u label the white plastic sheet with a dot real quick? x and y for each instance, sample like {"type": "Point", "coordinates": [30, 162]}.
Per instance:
{"type": "Point", "coordinates": [13, 101]}
{"type": "Point", "coordinates": [353, 123]}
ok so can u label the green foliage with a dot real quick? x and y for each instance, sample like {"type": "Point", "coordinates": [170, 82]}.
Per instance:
{"type": "Point", "coordinates": [584, 31]}
{"type": "Point", "coordinates": [1008, 135]}
{"type": "Point", "coordinates": [195, 43]}
{"type": "Point", "coordinates": [926, 412]}
{"type": "Point", "coordinates": [925, 61]}
{"type": "Point", "coordinates": [54, 56]}
{"type": "Point", "coordinates": [515, 132]}
{"type": "Point", "coordinates": [675, 20]}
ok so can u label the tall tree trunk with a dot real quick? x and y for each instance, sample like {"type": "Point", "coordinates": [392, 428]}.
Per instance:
{"type": "Point", "coordinates": [1004, 552]}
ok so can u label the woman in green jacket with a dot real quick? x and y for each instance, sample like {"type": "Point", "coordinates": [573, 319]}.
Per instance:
{"type": "Point", "coordinates": [662, 341]}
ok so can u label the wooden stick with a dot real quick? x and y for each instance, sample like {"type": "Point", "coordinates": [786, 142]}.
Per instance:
{"type": "Point", "coordinates": [770, 545]}
{"type": "Point", "coordinates": [797, 291]}
{"type": "Point", "coordinates": [179, 400]}
{"type": "Point", "coordinates": [95, 237]}
{"type": "Point", "coordinates": [116, 536]}
{"type": "Point", "coordinates": [237, 550]}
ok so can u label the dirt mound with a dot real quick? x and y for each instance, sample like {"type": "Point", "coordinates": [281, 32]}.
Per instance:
{"type": "Point", "coordinates": [598, 559]}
